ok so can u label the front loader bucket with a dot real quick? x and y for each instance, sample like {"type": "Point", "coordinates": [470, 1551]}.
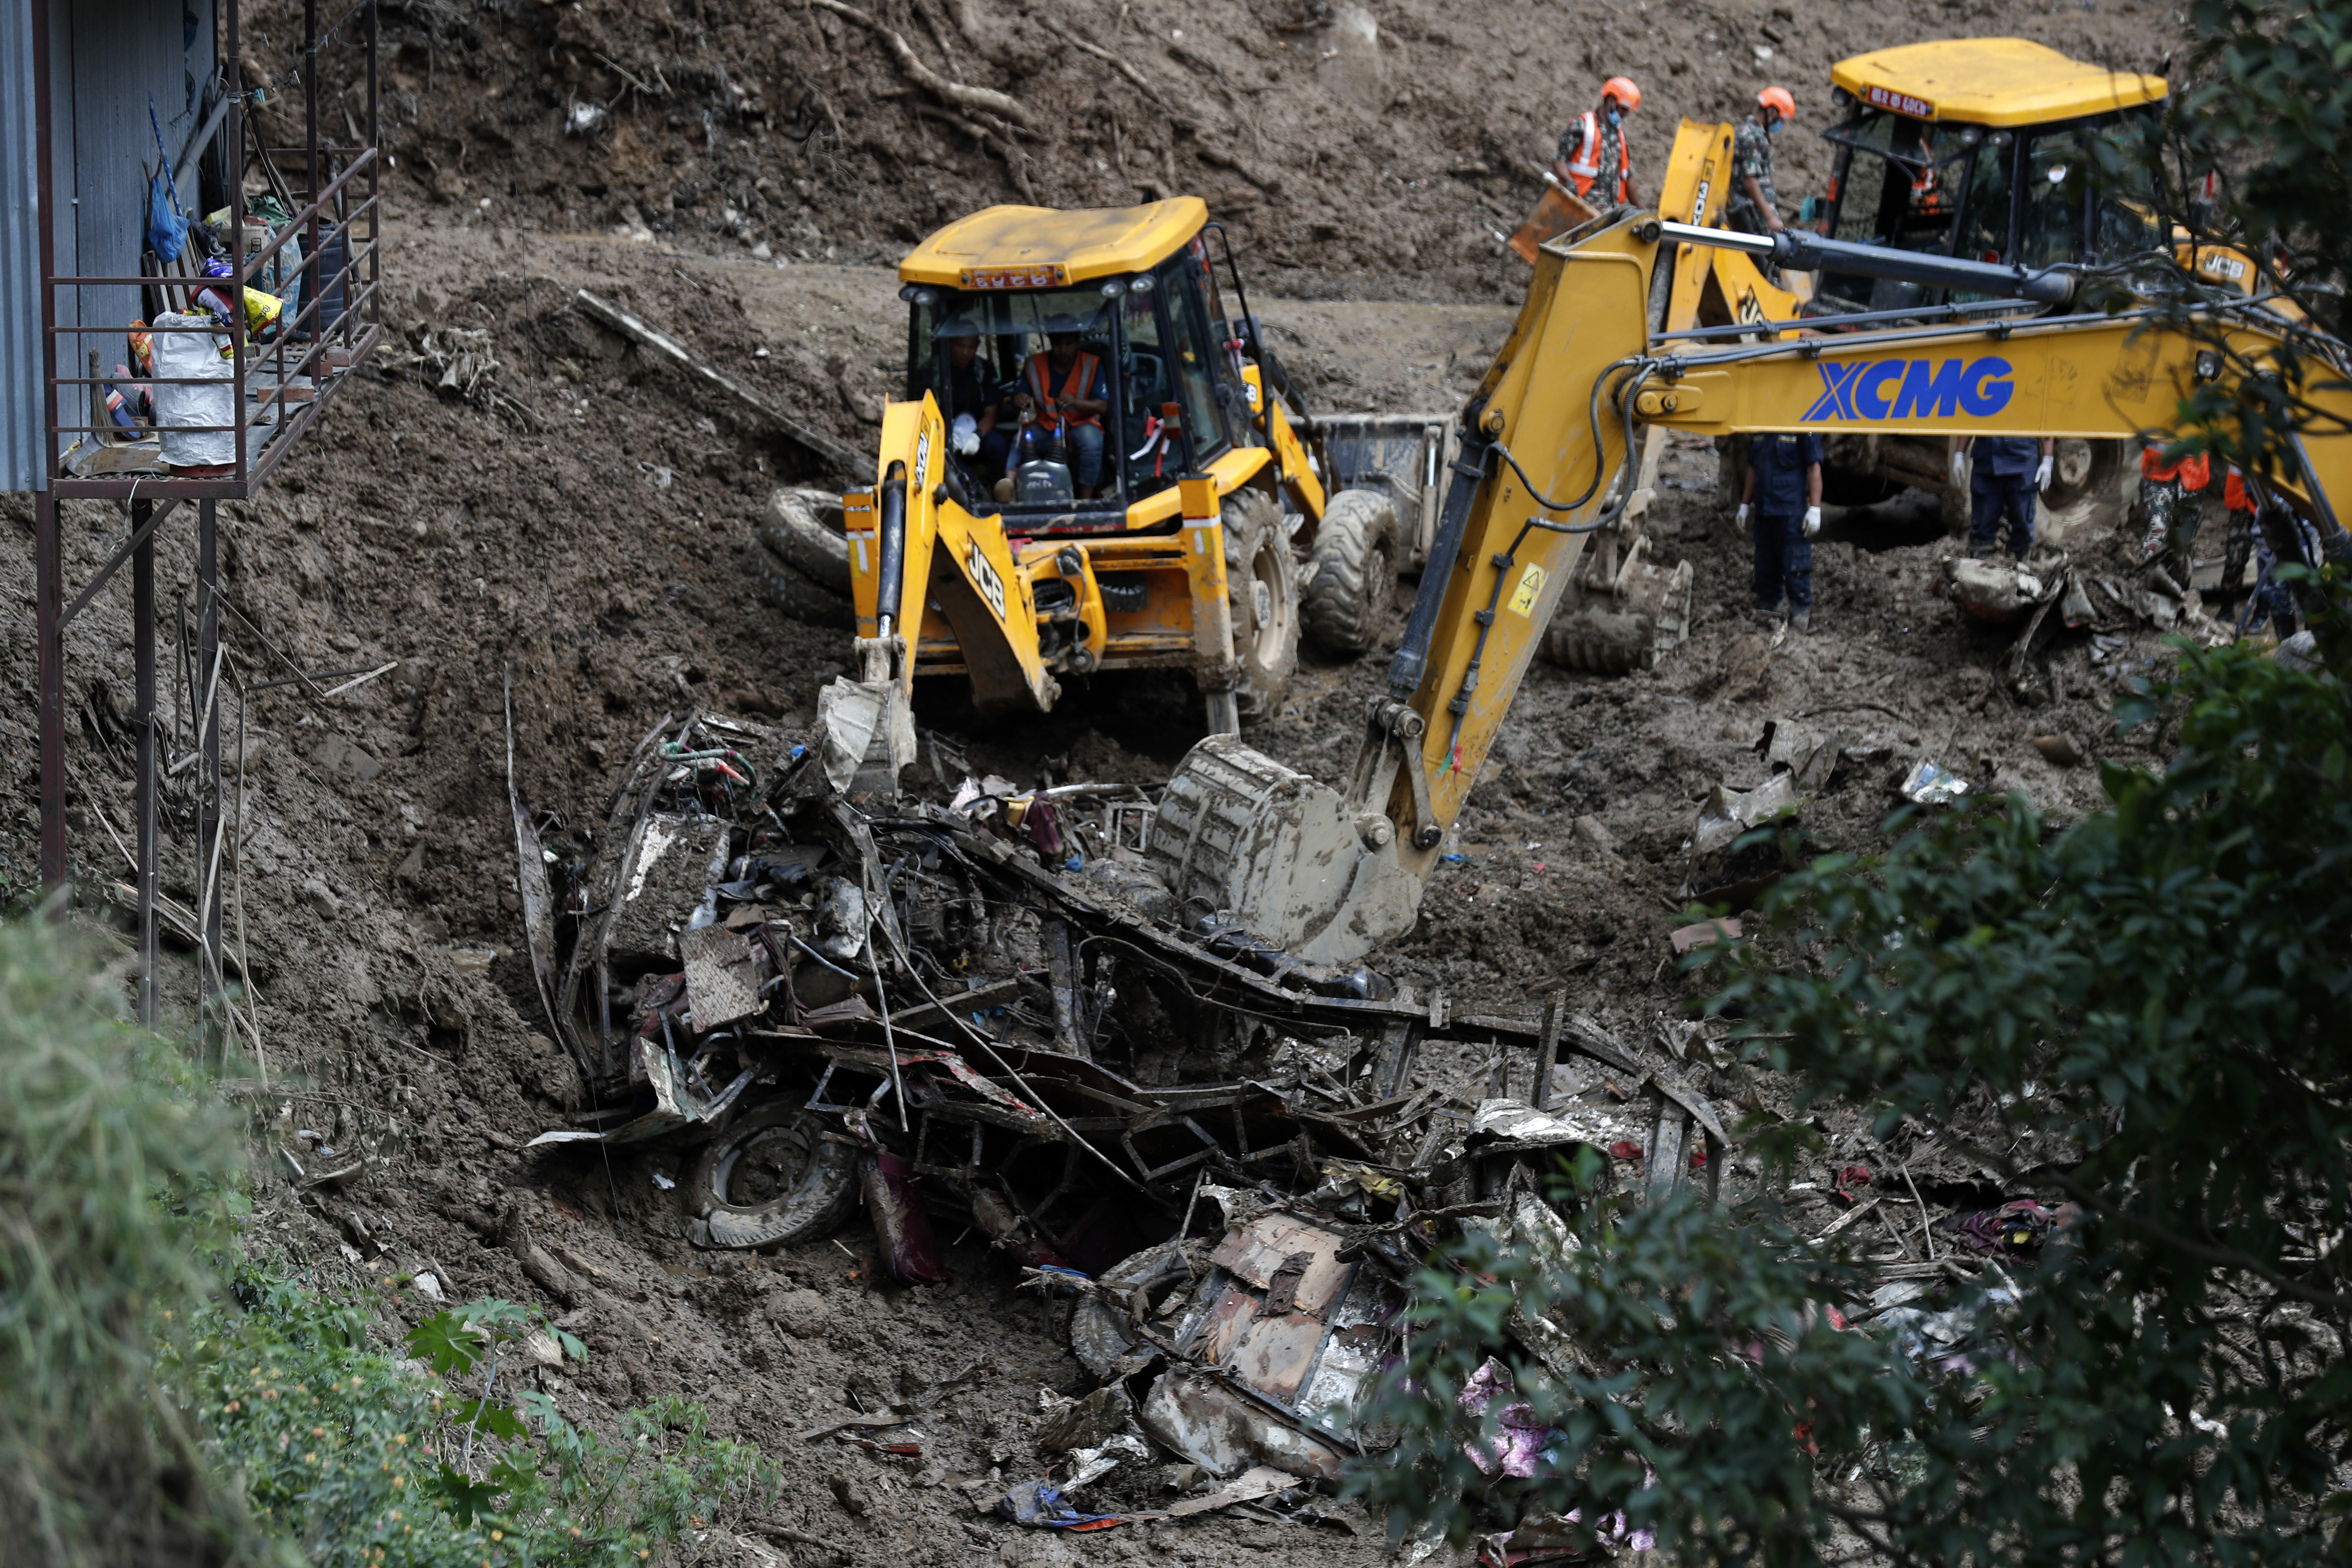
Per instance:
{"type": "Point", "coordinates": [1615, 629]}
{"type": "Point", "coordinates": [867, 729]}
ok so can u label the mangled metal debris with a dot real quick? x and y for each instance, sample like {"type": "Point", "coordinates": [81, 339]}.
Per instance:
{"type": "Point", "coordinates": [977, 1011]}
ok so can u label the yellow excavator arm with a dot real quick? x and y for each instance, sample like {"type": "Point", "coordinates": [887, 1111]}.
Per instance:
{"type": "Point", "coordinates": [1327, 874]}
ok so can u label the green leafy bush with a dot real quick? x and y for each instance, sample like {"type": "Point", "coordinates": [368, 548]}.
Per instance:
{"type": "Point", "coordinates": [117, 1171]}
{"type": "Point", "coordinates": [2143, 1016]}
{"type": "Point", "coordinates": [356, 1459]}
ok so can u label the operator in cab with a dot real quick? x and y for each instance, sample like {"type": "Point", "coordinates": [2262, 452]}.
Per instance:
{"type": "Point", "coordinates": [970, 401]}
{"type": "Point", "coordinates": [1066, 393]}
{"type": "Point", "coordinates": [1592, 152]}
{"type": "Point", "coordinates": [1780, 497]}
{"type": "Point", "coordinates": [1755, 205]}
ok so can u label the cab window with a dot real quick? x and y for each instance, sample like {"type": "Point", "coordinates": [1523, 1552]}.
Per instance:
{"type": "Point", "coordinates": [1902, 181]}
{"type": "Point", "coordinates": [1192, 356]}
{"type": "Point", "coordinates": [2057, 176]}
{"type": "Point", "coordinates": [1985, 214]}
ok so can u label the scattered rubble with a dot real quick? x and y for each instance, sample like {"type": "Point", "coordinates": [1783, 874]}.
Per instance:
{"type": "Point", "coordinates": [976, 1014]}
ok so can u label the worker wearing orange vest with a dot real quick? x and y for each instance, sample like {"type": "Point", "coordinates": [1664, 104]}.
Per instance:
{"type": "Point", "coordinates": [2171, 490]}
{"type": "Point", "coordinates": [1066, 390]}
{"type": "Point", "coordinates": [1592, 152]}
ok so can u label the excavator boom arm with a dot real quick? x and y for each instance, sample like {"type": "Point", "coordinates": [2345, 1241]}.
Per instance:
{"type": "Point", "coordinates": [1543, 465]}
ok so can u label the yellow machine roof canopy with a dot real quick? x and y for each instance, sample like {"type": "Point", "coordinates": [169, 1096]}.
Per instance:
{"type": "Point", "coordinates": [1990, 81]}
{"type": "Point", "coordinates": [1040, 247]}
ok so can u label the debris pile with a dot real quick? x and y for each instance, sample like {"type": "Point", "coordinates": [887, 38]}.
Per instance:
{"type": "Point", "coordinates": [978, 1013]}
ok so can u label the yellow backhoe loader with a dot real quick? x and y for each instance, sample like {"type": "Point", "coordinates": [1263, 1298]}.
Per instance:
{"type": "Point", "coordinates": [1545, 463]}
{"type": "Point", "coordinates": [1094, 468]}
{"type": "Point", "coordinates": [1978, 149]}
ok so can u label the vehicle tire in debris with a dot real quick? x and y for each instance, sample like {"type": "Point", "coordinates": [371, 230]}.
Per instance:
{"type": "Point", "coordinates": [800, 598]}
{"type": "Point", "coordinates": [803, 528]}
{"type": "Point", "coordinates": [774, 1178]}
{"type": "Point", "coordinates": [1098, 1332]}
{"type": "Point", "coordinates": [2093, 487]}
{"type": "Point", "coordinates": [1262, 588]}
{"type": "Point", "coordinates": [1351, 575]}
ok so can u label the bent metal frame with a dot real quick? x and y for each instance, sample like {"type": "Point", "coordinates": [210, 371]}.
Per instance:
{"type": "Point", "coordinates": [340, 225]}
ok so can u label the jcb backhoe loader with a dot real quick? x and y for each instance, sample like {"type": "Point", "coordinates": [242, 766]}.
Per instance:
{"type": "Point", "coordinates": [1980, 148]}
{"type": "Point", "coordinates": [1327, 874]}
{"type": "Point", "coordinates": [999, 555]}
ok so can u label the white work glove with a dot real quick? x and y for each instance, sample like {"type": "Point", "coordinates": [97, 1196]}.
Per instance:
{"type": "Point", "coordinates": [2041, 475]}
{"type": "Point", "coordinates": [1813, 521]}
{"type": "Point", "coordinates": [1959, 468]}
{"type": "Point", "coordinates": [1739, 518]}
{"type": "Point", "coordinates": [965, 438]}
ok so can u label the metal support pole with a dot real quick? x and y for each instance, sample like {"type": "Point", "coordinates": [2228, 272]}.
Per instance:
{"type": "Point", "coordinates": [142, 632]}
{"type": "Point", "coordinates": [208, 773]}
{"type": "Point", "coordinates": [376, 188]}
{"type": "Point", "coordinates": [311, 270]}
{"type": "Point", "coordinates": [49, 559]}
{"type": "Point", "coordinates": [48, 595]}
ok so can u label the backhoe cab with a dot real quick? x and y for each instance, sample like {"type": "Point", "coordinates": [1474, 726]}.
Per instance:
{"type": "Point", "coordinates": [1093, 469]}
{"type": "Point", "coordinates": [1976, 149]}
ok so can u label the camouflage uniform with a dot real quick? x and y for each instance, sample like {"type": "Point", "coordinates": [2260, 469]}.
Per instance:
{"type": "Point", "coordinates": [1752, 155]}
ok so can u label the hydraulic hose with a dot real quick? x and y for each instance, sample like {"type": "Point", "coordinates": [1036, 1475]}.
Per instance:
{"type": "Point", "coordinates": [1412, 658]}
{"type": "Point", "coordinates": [1459, 706]}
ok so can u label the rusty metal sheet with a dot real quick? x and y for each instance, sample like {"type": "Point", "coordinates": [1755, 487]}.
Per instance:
{"type": "Point", "coordinates": [1275, 1352]}
{"type": "Point", "coordinates": [722, 975]}
{"type": "Point", "coordinates": [1258, 1253]}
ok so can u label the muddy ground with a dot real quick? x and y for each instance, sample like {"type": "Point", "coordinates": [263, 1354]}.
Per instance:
{"type": "Point", "coordinates": [586, 535]}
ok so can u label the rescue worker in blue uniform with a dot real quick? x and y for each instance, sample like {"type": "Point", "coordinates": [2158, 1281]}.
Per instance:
{"type": "Point", "coordinates": [2006, 473]}
{"type": "Point", "coordinates": [1780, 498]}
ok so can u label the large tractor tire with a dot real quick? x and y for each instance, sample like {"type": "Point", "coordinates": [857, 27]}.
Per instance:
{"type": "Point", "coordinates": [804, 530]}
{"type": "Point", "coordinates": [1352, 576]}
{"type": "Point", "coordinates": [773, 1179]}
{"type": "Point", "coordinates": [1262, 590]}
{"type": "Point", "coordinates": [783, 586]}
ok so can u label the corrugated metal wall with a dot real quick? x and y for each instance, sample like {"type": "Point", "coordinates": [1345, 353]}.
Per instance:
{"type": "Point", "coordinates": [108, 60]}
{"type": "Point", "coordinates": [21, 468]}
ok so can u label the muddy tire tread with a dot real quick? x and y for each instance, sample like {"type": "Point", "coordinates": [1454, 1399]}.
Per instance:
{"type": "Point", "coordinates": [1353, 572]}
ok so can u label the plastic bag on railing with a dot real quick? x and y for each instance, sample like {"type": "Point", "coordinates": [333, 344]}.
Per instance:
{"type": "Point", "coordinates": [167, 229]}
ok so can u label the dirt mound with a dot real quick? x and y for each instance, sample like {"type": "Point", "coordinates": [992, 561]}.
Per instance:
{"type": "Point", "coordinates": [1368, 151]}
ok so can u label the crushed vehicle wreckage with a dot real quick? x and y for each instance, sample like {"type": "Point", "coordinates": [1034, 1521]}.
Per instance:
{"type": "Point", "coordinates": [979, 1013]}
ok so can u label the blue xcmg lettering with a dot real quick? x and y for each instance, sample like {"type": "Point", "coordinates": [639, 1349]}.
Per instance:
{"type": "Point", "coordinates": [1911, 389]}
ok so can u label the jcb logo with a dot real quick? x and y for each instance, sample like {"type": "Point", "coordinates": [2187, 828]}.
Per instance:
{"type": "Point", "coordinates": [1913, 389]}
{"type": "Point", "coordinates": [983, 575]}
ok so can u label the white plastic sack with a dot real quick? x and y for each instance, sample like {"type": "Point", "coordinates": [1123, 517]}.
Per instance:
{"type": "Point", "coordinates": [196, 354]}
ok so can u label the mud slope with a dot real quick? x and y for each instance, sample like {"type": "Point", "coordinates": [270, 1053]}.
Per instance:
{"type": "Point", "coordinates": [584, 539]}
{"type": "Point", "coordinates": [1370, 150]}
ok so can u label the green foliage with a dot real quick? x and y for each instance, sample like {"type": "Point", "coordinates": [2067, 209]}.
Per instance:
{"type": "Point", "coordinates": [2142, 1015]}
{"type": "Point", "coordinates": [1702, 1390]}
{"type": "Point", "coordinates": [116, 1172]}
{"type": "Point", "coordinates": [2269, 104]}
{"type": "Point", "coordinates": [357, 1461]}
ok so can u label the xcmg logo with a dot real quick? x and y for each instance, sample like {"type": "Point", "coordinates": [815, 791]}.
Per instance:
{"type": "Point", "coordinates": [1913, 389]}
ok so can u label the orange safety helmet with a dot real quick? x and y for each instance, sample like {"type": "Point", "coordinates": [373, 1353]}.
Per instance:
{"type": "Point", "coordinates": [1779, 98]}
{"type": "Point", "coordinates": [1622, 88]}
